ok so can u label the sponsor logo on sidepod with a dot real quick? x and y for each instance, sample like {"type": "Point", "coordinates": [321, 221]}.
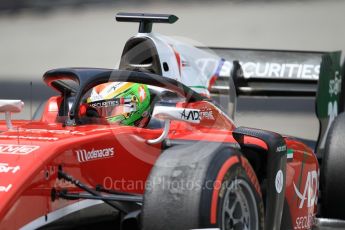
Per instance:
{"type": "Point", "coordinates": [308, 196]}
{"type": "Point", "coordinates": [17, 149]}
{"type": "Point", "coordinates": [95, 154]}
{"type": "Point", "coordinates": [5, 188]}
{"type": "Point", "coordinates": [5, 168]}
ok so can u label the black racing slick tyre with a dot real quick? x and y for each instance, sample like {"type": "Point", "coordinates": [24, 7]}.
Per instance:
{"type": "Point", "coordinates": [332, 171]}
{"type": "Point", "coordinates": [202, 185]}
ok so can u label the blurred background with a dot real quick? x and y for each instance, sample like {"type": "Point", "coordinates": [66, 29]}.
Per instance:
{"type": "Point", "coordinates": [38, 35]}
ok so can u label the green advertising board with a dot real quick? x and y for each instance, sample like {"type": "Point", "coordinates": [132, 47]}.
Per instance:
{"type": "Point", "coordinates": [328, 95]}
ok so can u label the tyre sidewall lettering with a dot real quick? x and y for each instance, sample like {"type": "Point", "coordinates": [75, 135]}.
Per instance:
{"type": "Point", "coordinates": [251, 175]}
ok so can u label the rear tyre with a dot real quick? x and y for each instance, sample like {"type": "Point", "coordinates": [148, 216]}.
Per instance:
{"type": "Point", "coordinates": [333, 177]}
{"type": "Point", "coordinates": [203, 185]}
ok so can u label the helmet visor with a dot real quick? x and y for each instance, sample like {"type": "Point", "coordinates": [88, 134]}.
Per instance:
{"type": "Point", "coordinates": [114, 107]}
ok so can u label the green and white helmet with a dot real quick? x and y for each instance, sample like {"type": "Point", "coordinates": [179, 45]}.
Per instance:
{"type": "Point", "coordinates": [121, 102]}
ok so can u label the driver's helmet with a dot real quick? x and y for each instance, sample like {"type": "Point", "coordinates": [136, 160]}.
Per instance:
{"type": "Point", "coordinates": [121, 102]}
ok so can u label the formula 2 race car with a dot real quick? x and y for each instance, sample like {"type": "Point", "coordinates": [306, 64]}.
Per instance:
{"type": "Point", "coordinates": [182, 164]}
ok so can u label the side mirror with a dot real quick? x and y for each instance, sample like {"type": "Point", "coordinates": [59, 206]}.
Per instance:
{"type": "Point", "coordinates": [8, 107]}
{"type": "Point", "coordinates": [167, 114]}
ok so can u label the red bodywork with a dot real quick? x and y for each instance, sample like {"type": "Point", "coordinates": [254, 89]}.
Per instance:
{"type": "Point", "coordinates": [31, 154]}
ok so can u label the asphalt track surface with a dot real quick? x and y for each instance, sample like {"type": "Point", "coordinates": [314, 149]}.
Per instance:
{"type": "Point", "coordinates": [32, 42]}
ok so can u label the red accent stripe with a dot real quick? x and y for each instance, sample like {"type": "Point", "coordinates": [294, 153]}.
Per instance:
{"type": "Point", "coordinates": [230, 162]}
{"type": "Point", "coordinates": [82, 110]}
{"type": "Point", "coordinates": [178, 59]}
{"type": "Point", "coordinates": [212, 81]}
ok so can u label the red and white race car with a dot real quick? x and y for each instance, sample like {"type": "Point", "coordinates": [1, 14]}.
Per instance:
{"type": "Point", "coordinates": [187, 166]}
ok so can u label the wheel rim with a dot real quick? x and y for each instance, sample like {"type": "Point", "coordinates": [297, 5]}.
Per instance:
{"type": "Point", "coordinates": [239, 209]}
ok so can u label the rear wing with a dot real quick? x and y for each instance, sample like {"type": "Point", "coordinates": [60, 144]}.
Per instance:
{"type": "Point", "coordinates": [268, 72]}
{"type": "Point", "coordinates": [285, 73]}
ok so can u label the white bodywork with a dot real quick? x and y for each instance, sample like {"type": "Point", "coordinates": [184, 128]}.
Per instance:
{"type": "Point", "coordinates": [178, 114]}
{"type": "Point", "coordinates": [167, 114]}
{"type": "Point", "coordinates": [12, 106]}
{"type": "Point", "coordinates": [192, 66]}
{"type": "Point", "coordinates": [8, 107]}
